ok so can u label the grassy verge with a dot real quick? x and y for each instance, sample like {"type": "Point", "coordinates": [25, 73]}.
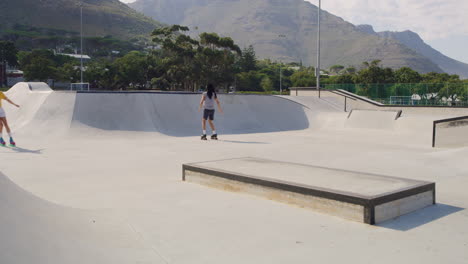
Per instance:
{"type": "Point", "coordinates": [4, 89]}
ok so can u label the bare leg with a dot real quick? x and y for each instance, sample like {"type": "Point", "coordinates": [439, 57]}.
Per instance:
{"type": "Point", "coordinates": [4, 122]}
{"type": "Point", "coordinates": [212, 125]}
{"type": "Point", "coordinates": [1, 128]}
{"type": "Point", "coordinates": [204, 124]}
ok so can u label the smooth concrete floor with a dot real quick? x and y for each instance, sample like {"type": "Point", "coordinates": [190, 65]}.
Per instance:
{"type": "Point", "coordinates": [358, 183]}
{"type": "Point", "coordinates": [136, 178]}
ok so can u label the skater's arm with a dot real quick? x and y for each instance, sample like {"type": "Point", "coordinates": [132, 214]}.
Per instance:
{"type": "Point", "coordinates": [8, 100]}
{"type": "Point", "coordinates": [219, 105]}
{"type": "Point", "coordinates": [201, 103]}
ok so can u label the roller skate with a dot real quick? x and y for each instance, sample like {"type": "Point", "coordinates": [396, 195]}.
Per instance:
{"type": "Point", "coordinates": [214, 137]}
{"type": "Point", "coordinates": [12, 143]}
{"type": "Point", "coordinates": [203, 137]}
{"type": "Point", "coordinates": [2, 142]}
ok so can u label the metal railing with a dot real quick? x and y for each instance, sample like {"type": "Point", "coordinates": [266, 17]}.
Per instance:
{"type": "Point", "coordinates": [430, 94]}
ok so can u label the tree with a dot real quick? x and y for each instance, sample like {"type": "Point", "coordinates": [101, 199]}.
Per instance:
{"type": "Point", "coordinates": [266, 84]}
{"type": "Point", "coordinates": [131, 70]}
{"type": "Point", "coordinates": [371, 79]}
{"type": "Point", "coordinates": [304, 77]}
{"type": "Point", "coordinates": [40, 68]}
{"type": "Point", "coordinates": [335, 69]}
{"type": "Point", "coordinates": [8, 56]}
{"type": "Point", "coordinates": [407, 75]}
{"type": "Point", "coordinates": [69, 72]}
{"type": "Point", "coordinates": [217, 57]}
{"type": "Point", "coordinates": [178, 53]}
{"type": "Point", "coordinates": [43, 64]}
{"type": "Point", "coordinates": [248, 60]}
{"type": "Point", "coordinates": [249, 81]}
{"type": "Point", "coordinates": [350, 70]}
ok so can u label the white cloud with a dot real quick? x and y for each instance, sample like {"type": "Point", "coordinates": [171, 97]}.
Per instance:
{"type": "Point", "coordinates": [432, 19]}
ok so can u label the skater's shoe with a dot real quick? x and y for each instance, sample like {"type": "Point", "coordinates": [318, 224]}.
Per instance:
{"type": "Point", "coordinates": [214, 136]}
{"type": "Point", "coordinates": [12, 143]}
{"type": "Point", "coordinates": [203, 137]}
{"type": "Point", "coordinates": [2, 142]}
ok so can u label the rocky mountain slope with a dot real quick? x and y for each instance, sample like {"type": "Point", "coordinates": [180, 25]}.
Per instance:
{"type": "Point", "coordinates": [414, 42]}
{"type": "Point", "coordinates": [286, 30]}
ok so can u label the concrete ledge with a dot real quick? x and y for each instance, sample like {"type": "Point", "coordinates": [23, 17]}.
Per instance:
{"type": "Point", "coordinates": [356, 196]}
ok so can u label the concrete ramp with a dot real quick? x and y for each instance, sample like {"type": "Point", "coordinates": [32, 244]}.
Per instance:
{"type": "Point", "coordinates": [53, 118]}
{"type": "Point", "coordinates": [30, 97]}
{"type": "Point", "coordinates": [315, 104]}
{"type": "Point", "coordinates": [177, 114]}
{"type": "Point", "coordinates": [373, 119]}
{"type": "Point", "coordinates": [450, 133]}
{"type": "Point", "coordinates": [36, 231]}
{"type": "Point", "coordinates": [39, 87]}
{"type": "Point", "coordinates": [357, 196]}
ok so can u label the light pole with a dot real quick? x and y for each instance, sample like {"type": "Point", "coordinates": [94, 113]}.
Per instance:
{"type": "Point", "coordinates": [81, 41]}
{"type": "Point", "coordinates": [318, 49]}
{"type": "Point", "coordinates": [281, 70]}
{"type": "Point", "coordinates": [281, 79]}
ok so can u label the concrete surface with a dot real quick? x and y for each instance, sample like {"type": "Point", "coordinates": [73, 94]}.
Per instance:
{"type": "Point", "coordinates": [346, 210]}
{"type": "Point", "coordinates": [75, 164]}
{"type": "Point", "coordinates": [358, 196]}
{"type": "Point", "coordinates": [340, 181]}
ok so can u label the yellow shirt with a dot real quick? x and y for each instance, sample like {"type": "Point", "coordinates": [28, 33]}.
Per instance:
{"type": "Point", "coordinates": [2, 96]}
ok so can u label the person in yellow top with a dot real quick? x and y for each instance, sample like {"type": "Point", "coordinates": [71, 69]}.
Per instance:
{"type": "Point", "coordinates": [3, 121]}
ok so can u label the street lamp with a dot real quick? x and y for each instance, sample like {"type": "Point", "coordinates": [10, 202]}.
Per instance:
{"type": "Point", "coordinates": [81, 41]}
{"type": "Point", "coordinates": [318, 49]}
{"type": "Point", "coordinates": [281, 70]}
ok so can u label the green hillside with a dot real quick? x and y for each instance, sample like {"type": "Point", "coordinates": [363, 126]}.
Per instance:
{"type": "Point", "coordinates": [261, 22]}
{"type": "Point", "coordinates": [100, 18]}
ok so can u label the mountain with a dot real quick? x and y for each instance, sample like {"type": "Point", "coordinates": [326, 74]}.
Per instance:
{"type": "Point", "coordinates": [414, 42]}
{"type": "Point", "coordinates": [261, 23]}
{"type": "Point", "coordinates": [100, 17]}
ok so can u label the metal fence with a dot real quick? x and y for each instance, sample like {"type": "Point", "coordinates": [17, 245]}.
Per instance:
{"type": "Point", "coordinates": [442, 94]}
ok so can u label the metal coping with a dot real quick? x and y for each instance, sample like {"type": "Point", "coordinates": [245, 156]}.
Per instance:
{"type": "Point", "coordinates": [398, 112]}
{"type": "Point", "coordinates": [434, 126]}
{"type": "Point", "coordinates": [368, 202]}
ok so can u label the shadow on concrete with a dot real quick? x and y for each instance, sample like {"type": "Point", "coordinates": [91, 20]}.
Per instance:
{"type": "Point", "coordinates": [243, 142]}
{"type": "Point", "coordinates": [23, 150]}
{"type": "Point", "coordinates": [421, 217]}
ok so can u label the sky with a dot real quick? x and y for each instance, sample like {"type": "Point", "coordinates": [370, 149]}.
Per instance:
{"type": "Point", "coordinates": [442, 24]}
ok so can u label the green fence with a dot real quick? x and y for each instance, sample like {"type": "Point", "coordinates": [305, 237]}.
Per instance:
{"type": "Point", "coordinates": [445, 94]}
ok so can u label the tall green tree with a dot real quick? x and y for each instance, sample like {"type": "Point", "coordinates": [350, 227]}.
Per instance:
{"type": "Point", "coordinates": [248, 60]}
{"type": "Point", "coordinates": [372, 79]}
{"type": "Point", "coordinates": [8, 56]}
{"type": "Point", "coordinates": [132, 70]}
{"type": "Point", "coordinates": [304, 77]}
{"type": "Point", "coordinates": [335, 69]}
{"type": "Point", "coordinates": [43, 64]}
{"type": "Point", "coordinates": [407, 75]}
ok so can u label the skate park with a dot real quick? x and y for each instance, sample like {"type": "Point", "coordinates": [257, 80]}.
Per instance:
{"type": "Point", "coordinates": [97, 177]}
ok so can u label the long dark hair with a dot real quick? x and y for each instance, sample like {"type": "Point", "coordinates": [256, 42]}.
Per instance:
{"type": "Point", "coordinates": [211, 91]}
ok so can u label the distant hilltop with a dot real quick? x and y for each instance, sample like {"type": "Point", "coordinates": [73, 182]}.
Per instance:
{"type": "Point", "coordinates": [100, 17]}
{"type": "Point", "coordinates": [261, 22]}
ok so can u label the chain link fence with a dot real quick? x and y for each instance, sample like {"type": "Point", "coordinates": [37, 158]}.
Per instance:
{"type": "Point", "coordinates": [430, 94]}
